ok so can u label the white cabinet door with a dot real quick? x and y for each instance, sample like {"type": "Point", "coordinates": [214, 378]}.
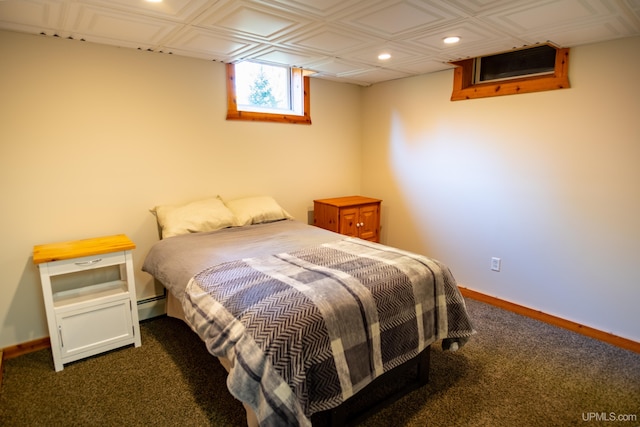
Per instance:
{"type": "Point", "coordinates": [93, 329]}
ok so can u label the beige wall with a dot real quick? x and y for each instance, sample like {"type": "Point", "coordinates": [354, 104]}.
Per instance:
{"type": "Point", "coordinates": [93, 136]}
{"type": "Point", "coordinates": [549, 182]}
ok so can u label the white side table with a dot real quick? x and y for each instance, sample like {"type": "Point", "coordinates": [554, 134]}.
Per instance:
{"type": "Point", "coordinates": [85, 314]}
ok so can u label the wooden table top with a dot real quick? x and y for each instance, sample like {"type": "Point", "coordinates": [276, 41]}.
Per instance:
{"type": "Point", "coordinates": [80, 248]}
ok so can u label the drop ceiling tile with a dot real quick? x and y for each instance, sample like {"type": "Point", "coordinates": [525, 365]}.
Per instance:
{"type": "Point", "coordinates": [283, 56]}
{"type": "Point", "coordinates": [470, 32]}
{"type": "Point", "coordinates": [393, 19]}
{"type": "Point", "coordinates": [30, 15]}
{"type": "Point", "coordinates": [341, 79]}
{"type": "Point", "coordinates": [336, 67]}
{"type": "Point", "coordinates": [484, 7]}
{"type": "Point", "coordinates": [477, 39]}
{"type": "Point", "coordinates": [376, 75]}
{"type": "Point", "coordinates": [255, 23]}
{"type": "Point", "coordinates": [330, 40]}
{"type": "Point", "coordinates": [111, 24]}
{"type": "Point", "coordinates": [317, 8]}
{"type": "Point", "coordinates": [176, 10]}
{"type": "Point", "coordinates": [399, 52]}
{"type": "Point", "coordinates": [210, 44]}
{"type": "Point", "coordinates": [581, 34]}
{"type": "Point", "coordinates": [570, 22]}
{"type": "Point", "coordinates": [249, 20]}
{"type": "Point", "coordinates": [538, 15]}
{"type": "Point", "coordinates": [424, 66]}
{"type": "Point", "coordinates": [492, 48]}
{"type": "Point", "coordinates": [327, 41]}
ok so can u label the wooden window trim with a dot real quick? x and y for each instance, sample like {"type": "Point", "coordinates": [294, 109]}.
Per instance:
{"type": "Point", "coordinates": [463, 87]}
{"type": "Point", "coordinates": [234, 114]}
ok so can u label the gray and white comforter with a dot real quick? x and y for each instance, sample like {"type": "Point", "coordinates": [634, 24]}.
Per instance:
{"type": "Point", "coordinates": [307, 329]}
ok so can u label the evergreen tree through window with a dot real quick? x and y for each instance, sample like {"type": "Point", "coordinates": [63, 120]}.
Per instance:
{"type": "Point", "coordinates": [261, 92]}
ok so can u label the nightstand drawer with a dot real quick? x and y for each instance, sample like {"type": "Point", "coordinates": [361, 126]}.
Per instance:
{"type": "Point", "coordinates": [84, 263]}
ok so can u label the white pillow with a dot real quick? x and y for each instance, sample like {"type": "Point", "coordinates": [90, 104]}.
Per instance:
{"type": "Point", "coordinates": [202, 215]}
{"type": "Point", "coordinates": [256, 210]}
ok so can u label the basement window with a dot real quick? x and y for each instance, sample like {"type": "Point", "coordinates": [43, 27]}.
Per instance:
{"type": "Point", "coordinates": [537, 61]}
{"type": "Point", "coordinates": [539, 68]}
{"type": "Point", "coordinates": [271, 93]}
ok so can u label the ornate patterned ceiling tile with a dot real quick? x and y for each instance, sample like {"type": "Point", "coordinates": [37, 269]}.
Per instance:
{"type": "Point", "coordinates": [393, 19]}
{"type": "Point", "coordinates": [492, 48]}
{"type": "Point", "coordinates": [375, 75]}
{"type": "Point", "coordinates": [400, 53]}
{"type": "Point", "coordinates": [283, 56]}
{"type": "Point", "coordinates": [175, 10]}
{"type": "Point", "coordinates": [31, 16]}
{"type": "Point", "coordinates": [252, 20]}
{"type": "Point", "coordinates": [318, 9]}
{"type": "Point", "coordinates": [585, 33]}
{"type": "Point", "coordinates": [481, 7]}
{"type": "Point", "coordinates": [425, 65]}
{"type": "Point", "coordinates": [330, 40]}
{"type": "Point", "coordinates": [212, 45]}
{"type": "Point", "coordinates": [469, 33]}
{"type": "Point", "coordinates": [97, 23]}
{"type": "Point", "coordinates": [538, 15]}
{"type": "Point", "coordinates": [337, 67]}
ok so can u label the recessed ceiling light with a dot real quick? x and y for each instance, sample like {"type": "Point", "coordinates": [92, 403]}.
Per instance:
{"type": "Point", "coordinates": [153, 1]}
{"type": "Point", "coordinates": [384, 56]}
{"type": "Point", "coordinates": [451, 39]}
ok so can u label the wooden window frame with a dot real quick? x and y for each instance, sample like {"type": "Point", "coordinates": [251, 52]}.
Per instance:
{"type": "Point", "coordinates": [463, 87]}
{"type": "Point", "coordinates": [298, 80]}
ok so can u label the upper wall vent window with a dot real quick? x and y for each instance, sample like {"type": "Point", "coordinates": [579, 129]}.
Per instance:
{"type": "Point", "coordinates": [535, 61]}
{"type": "Point", "coordinates": [539, 68]}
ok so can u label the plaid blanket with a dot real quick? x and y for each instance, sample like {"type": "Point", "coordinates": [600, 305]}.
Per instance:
{"type": "Point", "coordinates": [307, 330]}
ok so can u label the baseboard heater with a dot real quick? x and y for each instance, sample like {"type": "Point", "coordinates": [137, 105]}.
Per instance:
{"type": "Point", "coordinates": [154, 306]}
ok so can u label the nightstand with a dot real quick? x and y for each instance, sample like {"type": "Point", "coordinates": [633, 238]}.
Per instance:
{"type": "Point", "coordinates": [355, 216]}
{"type": "Point", "coordinates": [89, 296]}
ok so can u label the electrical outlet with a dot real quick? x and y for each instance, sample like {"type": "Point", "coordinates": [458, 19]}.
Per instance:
{"type": "Point", "coordinates": [495, 263]}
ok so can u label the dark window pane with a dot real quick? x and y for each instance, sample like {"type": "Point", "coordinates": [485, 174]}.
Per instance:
{"type": "Point", "coordinates": [540, 59]}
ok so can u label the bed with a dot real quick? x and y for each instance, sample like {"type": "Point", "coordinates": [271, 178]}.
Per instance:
{"type": "Point", "coordinates": [305, 320]}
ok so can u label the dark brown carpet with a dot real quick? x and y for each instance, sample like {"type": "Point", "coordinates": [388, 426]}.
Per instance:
{"type": "Point", "coordinates": [514, 372]}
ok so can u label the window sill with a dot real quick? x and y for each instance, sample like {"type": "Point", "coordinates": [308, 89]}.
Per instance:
{"type": "Point", "coordinates": [268, 117]}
